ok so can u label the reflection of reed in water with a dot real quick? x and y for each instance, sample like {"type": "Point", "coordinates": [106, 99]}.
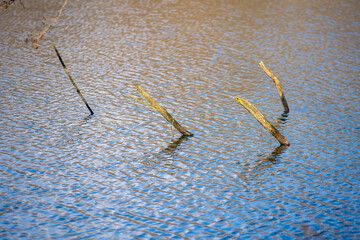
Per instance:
{"type": "Point", "coordinates": [275, 155]}
{"type": "Point", "coordinates": [166, 155]}
{"type": "Point", "coordinates": [251, 171]}
{"type": "Point", "coordinates": [281, 121]}
{"type": "Point", "coordinates": [88, 117]}
{"type": "Point", "coordinates": [173, 146]}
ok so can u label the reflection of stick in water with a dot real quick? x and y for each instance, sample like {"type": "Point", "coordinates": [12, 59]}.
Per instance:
{"type": "Point", "coordinates": [263, 121]}
{"type": "Point", "coordinates": [281, 120]}
{"type": "Point", "coordinates": [34, 38]}
{"type": "Point", "coordinates": [162, 111]}
{"type": "Point", "coordinates": [77, 89]}
{"type": "Point", "coordinates": [259, 166]}
{"type": "Point", "coordinates": [278, 86]}
{"type": "Point", "coordinates": [173, 146]}
{"type": "Point", "coordinates": [277, 153]}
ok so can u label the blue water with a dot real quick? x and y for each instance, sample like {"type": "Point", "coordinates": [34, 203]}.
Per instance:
{"type": "Point", "coordinates": [125, 173]}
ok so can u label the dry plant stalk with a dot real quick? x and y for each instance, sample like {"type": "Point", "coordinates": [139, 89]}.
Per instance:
{"type": "Point", "coordinates": [263, 121]}
{"type": "Point", "coordinates": [155, 106]}
{"type": "Point", "coordinates": [35, 37]}
{"type": "Point", "coordinates": [72, 81]}
{"type": "Point", "coordinates": [278, 86]}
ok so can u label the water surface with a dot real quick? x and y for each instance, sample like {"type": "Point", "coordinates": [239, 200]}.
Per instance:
{"type": "Point", "coordinates": [124, 173]}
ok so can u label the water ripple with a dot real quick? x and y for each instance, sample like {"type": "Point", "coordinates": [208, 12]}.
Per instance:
{"type": "Point", "coordinates": [126, 173]}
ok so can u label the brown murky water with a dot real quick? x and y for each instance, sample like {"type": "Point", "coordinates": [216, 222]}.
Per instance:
{"type": "Point", "coordinates": [125, 173]}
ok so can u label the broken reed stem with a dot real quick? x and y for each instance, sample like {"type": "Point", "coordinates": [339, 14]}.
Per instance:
{"type": "Point", "coordinates": [162, 111]}
{"type": "Point", "coordinates": [77, 89]}
{"type": "Point", "coordinates": [34, 38]}
{"type": "Point", "coordinates": [278, 86]}
{"type": "Point", "coordinates": [263, 121]}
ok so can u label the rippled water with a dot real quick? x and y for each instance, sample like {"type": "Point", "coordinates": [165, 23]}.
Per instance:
{"type": "Point", "coordinates": [124, 173]}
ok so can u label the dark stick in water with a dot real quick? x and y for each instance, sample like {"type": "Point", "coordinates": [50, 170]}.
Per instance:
{"type": "Point", "coordinates": [77, 89]}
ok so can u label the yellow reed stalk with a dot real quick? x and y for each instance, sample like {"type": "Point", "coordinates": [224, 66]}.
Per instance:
{"type": "Point", "coordinates": [162, 111]}
{"type": "Point", "coordinates": [263, 121]}
{"type": "Point", "coordinates": [278, 86]}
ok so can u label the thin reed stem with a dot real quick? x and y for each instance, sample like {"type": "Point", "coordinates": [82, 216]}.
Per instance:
{"type": "Point", "coordinates": [278, 86]}
{"type": "Point", "coordinates": [72, 81]}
